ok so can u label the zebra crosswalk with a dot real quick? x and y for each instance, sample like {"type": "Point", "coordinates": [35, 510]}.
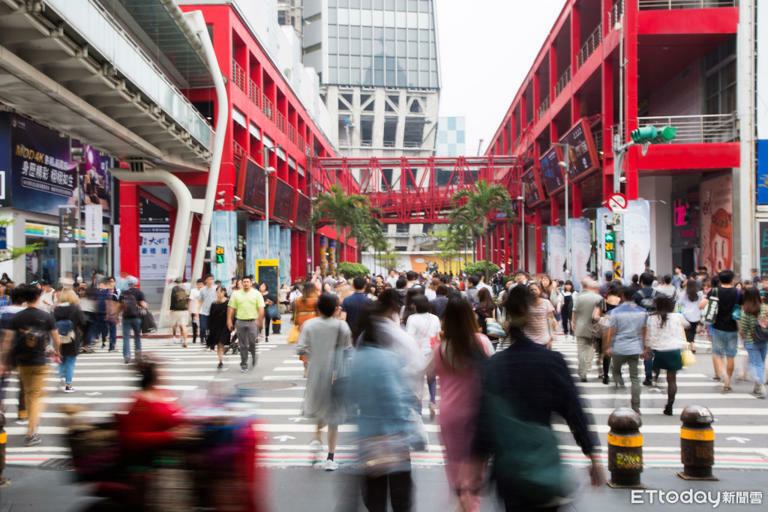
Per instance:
{"type": "Point", "coordinates": [275, 393]}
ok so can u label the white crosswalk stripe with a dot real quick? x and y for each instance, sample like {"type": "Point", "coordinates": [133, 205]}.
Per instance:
{"type": "Point", "coordinates": [103, 384]}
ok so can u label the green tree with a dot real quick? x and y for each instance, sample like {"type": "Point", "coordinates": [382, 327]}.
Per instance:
{"type": "Point", "coordinates": [340, 208]}
{"type": "Point", "coordinates": [11, 253]}
{"type": "Point", "coordinates": [473, 209]}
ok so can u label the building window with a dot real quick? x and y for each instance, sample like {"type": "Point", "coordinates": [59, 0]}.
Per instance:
{"type": "Point", "coordinates": [401, 248]}
{"type": "Point", "coordinates": [366, 130]}
{"type": "Point", "coordinates": [402, 228]}
{"type": "Point", "coordinates": [720, 79]}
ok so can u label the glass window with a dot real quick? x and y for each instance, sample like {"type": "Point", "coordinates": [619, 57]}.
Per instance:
{"type": "Point", "coordinates": [378, 4]}
{"type": "Point", "coordinates": [354, 62]}
{"type": "Point", "coordinates": [331, 15]}
{"type": "Point", "coordinates": [413, 49]}
{"type": "Point", "coordinates": [412, 34]}
{"type": "Point", "coordinates": [354, 4]}
{"type": "Point", "coordinates": [424, 35]}
{"type": "Point", "coordinates": [413, 79]}
{"type": "Point", "coordinates": [401, 48]}
{"type": "Point", "coordinates": [343, 46]}
{"type": "Point", "coordinates": [343, 3]}
{"type": "Point", "coordinates": [331, 3]}
{"type": "Point", "coordinates": [423, 49]}
{"type": "Point", "coordinates": [366, 4]}
{"type": "Point", "coordinates": [389, 5]}
{"type": "Point", "coordinates": [413, 5]}
{"type": "Point", "coordinates": [424, 5]}
{"type": "Point", "coordinates": [332, 30]}
{"type": "Point", "coordinates": [343, 61]}
{"type": "Point", "coordinates": [433, 83]}
{"type": "Point", "coordinates": [367, 32]}
{"type": "Point", "coordinates": [401, 5]}
{"type": "Point", "coordinates": [423, 78]}
{"type": "Point", "coordinates": [344, 76]}
{"type": "Point", "coordinates": [378, 33]}
{"type": "Point", "coordinates": [413, 64]}
{"type": "Point", "coordinates": [354, 32]}
{"type": "Point", "coordinates": [389, 48]}
{"type": "Point", "coordinates": [333, 61]}
{"type": "Point", "coordinates": [354, 47]}
{"type": "Point", "coordinates": [367, 48]}
{"type": "Point", "coordinates": [401, 34]}
{"type": "Point", "coordinates": [343, 30]}
{"type": "Point", "coordinates": [389, 34]}
{"type": "Point", "coordinates": [332, 76]}
{"type": "Point", "coordinates": [332, 45]}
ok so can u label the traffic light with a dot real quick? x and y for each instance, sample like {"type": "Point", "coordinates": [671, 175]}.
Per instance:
{"type": "Point", "coordinates": [219, 254]}
{"type": "Point", "coordinates": [653, 135]}
{"type": "Point", "coordinates": [610, 244]}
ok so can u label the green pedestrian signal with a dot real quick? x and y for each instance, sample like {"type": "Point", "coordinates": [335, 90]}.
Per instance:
{"type": "Point", "coordinates": [610, 255]}
{"type": "Point", "coordinates": [653, 135]}
{"type": "Point", "coordinates": [610, 249]}
{"type": "Point", "coordinates": [219, 254]}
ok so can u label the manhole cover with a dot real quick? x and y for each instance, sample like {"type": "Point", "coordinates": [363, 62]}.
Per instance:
{"type": "Point", "coordinates": [261, 385]}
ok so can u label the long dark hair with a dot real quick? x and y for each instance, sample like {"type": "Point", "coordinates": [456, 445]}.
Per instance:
{"type": "Point", "coordinates": [459, 329]}
{"type": "Point", "coordinates": [484, 300]}
{"type": "Point", "coordinates": [692, 290]}
{"type": "Point", "coordinates": [752, 301]}
{"type": "Point", "coordinates": [367, 331]}
{"type": "Point", "coordinates": [518, 303]}
{"type": "Point", "coordinates": [664, 306]}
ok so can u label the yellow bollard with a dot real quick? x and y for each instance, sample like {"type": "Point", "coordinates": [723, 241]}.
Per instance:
{"type": "Point", "coordinates": [697, 443]}
{"type": "Point", "coordinates": [625, 449]}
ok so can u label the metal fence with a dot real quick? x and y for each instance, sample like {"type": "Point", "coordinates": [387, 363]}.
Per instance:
{"type": "Point", "coordinates": [648, 5]}
{"type": "Point", "coordinates": [563, 81]}
{"type": "Point", "coordinates": [590, 45]}
{"type": "Point", "coordinates": [699, 129]}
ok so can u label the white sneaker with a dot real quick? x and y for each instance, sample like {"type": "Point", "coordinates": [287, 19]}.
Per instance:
{"type": "Point", "coordinates": [315, 445]}
{"type": "Point", "coordinates": [174, 340]}
{"type": "Point", "coordinates": [331, 465]}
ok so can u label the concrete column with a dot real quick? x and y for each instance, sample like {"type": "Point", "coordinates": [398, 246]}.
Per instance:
{"type": "Point", "coordinates": [224, 233]}
{"type": "Point", "coordinates": [255, 246]}
{"type": "Point", "coordinates": [378, 117]}
{"type": "Point", "coordinates": [285, 255]}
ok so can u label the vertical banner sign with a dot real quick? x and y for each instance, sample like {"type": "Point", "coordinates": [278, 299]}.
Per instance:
{"type": "Point", "coordinates": [556, 251]}
{"type": "Point", "coordinates": [581, 249]}
{"type": "Point", "coordinates": [93, 224]}
{"type": "Point", "coordinates": [3, 238]}
{"type": "Point", "coordinates": [67, 225]}
{"type": "Point", "coordinates": [717, 224]}
{"type": "Point", "coordinates": [762, 106]}
{"type": "Point", "coordinates": [603, 264]}
{"type": "Point", "coordinates": [636, 230]}
{"type": "Point", "coordinates": [763, 248]}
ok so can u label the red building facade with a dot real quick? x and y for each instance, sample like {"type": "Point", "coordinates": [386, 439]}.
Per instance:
{"type": "Point", "coordinates": [679, 69]}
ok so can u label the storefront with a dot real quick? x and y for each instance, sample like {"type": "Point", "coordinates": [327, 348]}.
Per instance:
{"type": "Point", "coordinates": [38, 178]}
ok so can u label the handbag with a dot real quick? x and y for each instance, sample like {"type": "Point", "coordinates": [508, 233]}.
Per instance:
{"type": "Point", "coordinates": [383, 455]}
{"type": "Point", "coordinates": [688, 357]}
{"type": "Point", "coordinates": [293, 335]}
{"type": "Point", "coordinates": [494, 328]}
{"type": "Point", "coordinates": [710, 311]}
{"type": "Point", "coordinates": [148, 323]}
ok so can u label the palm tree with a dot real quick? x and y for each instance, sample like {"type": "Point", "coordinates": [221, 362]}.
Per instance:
{"type": "Point", "coordinates": [473, 208]}
{"type": "Point", "coordinates": [344, 210]}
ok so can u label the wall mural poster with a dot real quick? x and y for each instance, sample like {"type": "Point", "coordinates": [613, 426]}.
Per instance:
{"type": "Point", "coordinates": [637, 237]}
{"type": "Point", "coordinates": [154, 251]}
{"type": "Point", "coordinates": [717, 224]}
{"type": "Point", "coordinates": [556, 251]}
{"type": "Point", "coordinates": [581, 249]}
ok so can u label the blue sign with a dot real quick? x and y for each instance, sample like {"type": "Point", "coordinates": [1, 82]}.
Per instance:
{"type": "Point", "coordinates": [3, 238]}
{"type": "Point", "coordinates": [5, 159]}
{"type": "Point", "coordinates": [762, 171]}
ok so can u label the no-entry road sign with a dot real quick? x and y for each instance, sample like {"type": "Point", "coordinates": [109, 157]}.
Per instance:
{"type": "Point", "coordinates": [617, 203]}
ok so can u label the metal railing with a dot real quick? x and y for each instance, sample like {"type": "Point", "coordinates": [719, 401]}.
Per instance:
{"type": "Point", "coordinates": [615, 14]}
{"type": "Point", "coordinates": [543, 107]}
{"type": "Point", "coordinates": [701, 129]}
{"type": "Point", "coordinates": [590, 45]}
{"type": "Point", "coordinates": [563, 81]}
{"type": "Point", "coordinates": [648, 5]}
{"type": "Point", "coordinates": [254, 93]}
{"type": "Point", "coordinates": [238, 75]}
{"type": "Point", "coordinates": [281, 122]}
{"type": "Point", "coordinates": [267, 107]}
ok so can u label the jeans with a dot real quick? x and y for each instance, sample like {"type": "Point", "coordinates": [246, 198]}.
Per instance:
{"type": "Point", "coordinates": [586, 353]}
{"type": "Point", "coordinates": [111, 329]}
{"type": "Point", "coordinates": [131, 324]}
{"type": "Point", "coordinates": [67, 368]}
{"type": "Point", "coordinates": [724, 343]}
{"type": "Point", "coordinates": [203, 328]}
{"type": "Point", "coordinates": [648, 364]}
{"type": "Point", "coordinates": [400, 492]}
{"type": "Point", "coordinates": [247, 333]}
{"type": "Point", "coordinates": [757, 353]}
{"type": "Point", "coordinates": [95, 329]}
{"type": "Point", "coordinates": [432, 386]}
{"type": "Point", "coordinates": [617, 361]}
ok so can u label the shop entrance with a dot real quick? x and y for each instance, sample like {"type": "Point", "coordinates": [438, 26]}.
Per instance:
{"type": "Point", "coordinates": [42, 263]}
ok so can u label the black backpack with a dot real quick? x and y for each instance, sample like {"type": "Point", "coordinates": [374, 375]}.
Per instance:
{"type": "Point", "coordinates": [130, 305]}
{"type": "Point", "coordinates": [647, 301]}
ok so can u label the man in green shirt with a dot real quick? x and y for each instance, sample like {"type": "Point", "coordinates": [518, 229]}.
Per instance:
{"type": "Point", "coordinates": [244, 314]}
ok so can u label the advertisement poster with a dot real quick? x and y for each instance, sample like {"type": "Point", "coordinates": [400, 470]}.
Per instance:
{"type": "Point", "coordinates": [583, 155]}
{"type": "Point", "coordinates": [717, 224]}
{"type": "Point", "coordinates": [636, 231]}
{"type": "Point", "coordinates": [763, 245]}
{"type": "Point", "coordinates": [581, 249]}
{"type": "Point", "coordinates": [42, 175]}
{"type": "Point", "coordinates": [93, 224]}
{"type": "Point", "coordinates": [551, 173]}
{"type": "Point", "coordinates": [154, 251]}
{"type": "Point", "coordinates": [556, 251]}
{"type": "Point", "coordinates": [5, 160]}
{"type": "Point", "coordinates": [67, 226]}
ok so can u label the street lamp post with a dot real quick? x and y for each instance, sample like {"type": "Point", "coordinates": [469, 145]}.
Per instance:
{"type": "Point", "coordinates": [566, 165]}
{"type": "Point", "coordinates": [267, 171]}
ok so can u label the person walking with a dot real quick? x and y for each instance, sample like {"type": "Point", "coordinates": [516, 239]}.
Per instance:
{"type": "Point", "coordinates": [271, 309]}
{"type": "Point", "coordinates": [208, 295]}
{"type": "Point", "coordinates": [29, 340]}
{"type": "Point", "coordinates": [353, 305]}
{"type": "Point", "coordinates": [566, 308]}
{"type": "Point", "coordinates": [458, 362]}
{"type": "Point", "coordinates": [665, 335]}
{"type": "Point", "coordinates": [626, 342]}
{"type": "Point", "coordinates": [194, 310]}
{"type": "Point", "coordinates": [383, 401]}
{"type": "Point", "coordinates": [424, 328]}
{"type": "Point", "coordinates": [754, 315]}
{"type": "Point", "coordinates": [70, 323]}
{"type": "Point", "coordinates": [612, 301]}
{"type": "Point", "coordinates": [725, 336]}
{"type": "Point", "coordinates": [583, 319]}
{"type": "Point", "coordinates": [521, 388]}
{"type": "Point", "coordinates": [218, 332]}
{"type": "Point", "coordinates": [305, 309]}
{"type": "Point", "coordinates": [688, 303]}
{"type": "Point", "coordinates": [541, 317]}
{"type": "Point", "coordinates": [324, 340]}
{"type": "Point", "coordinates": [245, 312]}
{"type": "Point", "coordinates": [645, 297]}
{"type": "Point", "coordinates": [113, 313]}
{"type": "Point", "coordinates": [131, 302]}
{"type": "Point", "coordinates": [179, 315]}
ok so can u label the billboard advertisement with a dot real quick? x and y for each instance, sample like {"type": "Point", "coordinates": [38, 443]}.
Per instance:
{"type": "Point", "coordinates": [583, 157]}
{"type": "Point", "coordinates": [303, 211]}
{"type": "Point", "coordinates": [716, 198]}
{"type": "Point", "coordinates": [282, 207]}
{"type": "Point", "coordinates": [580, 237]}
{"type": "Point", "coordinates": [637, 237]}
{"type": "Point", "coordinates": [552, 176]}
{"type": "Point", "coordinates": [42, 175]}
{"type": "Point", "coordinates": [252, 191]}
{"type": "Point", "coordinates": [533, 191]}
{"type": "Point", "coordinates": [556, 251]}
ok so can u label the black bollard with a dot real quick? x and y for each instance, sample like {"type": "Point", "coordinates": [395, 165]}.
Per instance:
{"type": "Point", "coordinates": [4, 482]}
{"type": "Point", "coordinates": [625, 449]}
{"type": "Point", "coordinates": [697, 443]}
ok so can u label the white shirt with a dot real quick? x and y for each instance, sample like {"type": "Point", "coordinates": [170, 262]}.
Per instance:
{"type": "Point", "coordinates": [430, 293]}
{"type": "Point", "coordinates": [194, 301]}
{"type": "Point", "coordinates": [690, 309]}
{"type": "Point", "coordinates": [46, 301]}
{"type": "Point", "coordinates": [424, 328]}
{"type": "Point", "coordinates": [669, 337]}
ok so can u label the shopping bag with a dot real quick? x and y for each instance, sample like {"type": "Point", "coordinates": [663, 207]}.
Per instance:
{"type": "Point", "coordinates": [494, 328]}
{"type": "Point", "coordinates": [688, 357]}
{"type": "Point", "coordinates": [293, 336]}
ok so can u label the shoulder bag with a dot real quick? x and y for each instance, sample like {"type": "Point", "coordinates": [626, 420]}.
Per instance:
{"type": "Point", "coordinates": [494, 328]}
{"type": "Point", "coordinates": [713, 305]}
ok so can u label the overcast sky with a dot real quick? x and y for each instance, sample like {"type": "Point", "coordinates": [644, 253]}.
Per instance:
{"type": "Point", "coordinates": [486, 49]}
